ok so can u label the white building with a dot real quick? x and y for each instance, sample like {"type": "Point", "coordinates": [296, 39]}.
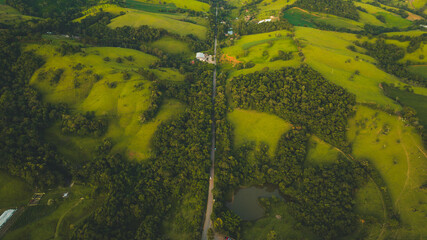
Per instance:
{"type": "Point", "coordinates": [264, 20]}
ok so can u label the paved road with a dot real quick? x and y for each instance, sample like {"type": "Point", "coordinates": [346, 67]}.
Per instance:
{"type": "Point", "coordinates": [207, 223]}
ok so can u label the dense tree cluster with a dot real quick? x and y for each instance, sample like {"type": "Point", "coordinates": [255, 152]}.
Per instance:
{"type": "Point", "coordinates": [387, 56]}
{"type": "Point", "coordinates": [342, 8]}
{"type": "Point", "coordinates": [300, 95]}
{"type": "Point", "coordinates": [23, 117]}
{"type": "Point", "coordinates": [245, 28]}
{"type": "Point", "coordinates": [83, 124]}
{"type": "Point", "coordinates": [324, 199]}
{"type": "Point", "coordinates": [154, 105]}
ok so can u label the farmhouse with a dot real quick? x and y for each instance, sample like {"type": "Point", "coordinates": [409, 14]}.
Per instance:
{"type": "Point", "coordinates": [205, 58]}
{"type": "Point", "coordinates": [264, 20]}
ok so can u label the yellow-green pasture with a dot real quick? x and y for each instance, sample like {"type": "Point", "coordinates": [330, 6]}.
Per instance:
{"type": "Point", "coordinates": [55, 217]}
{"type": "Point", "coordinates": [320, 152]}
{"type": "Point", "coordinates": [135, 18]}
{"type": "Point", "coordinates": [14, 192]}
{"type": "Point", "coordinates": [9, 15]}
{"type": "Point", "coordinates": [412, 33]}
{"type": "Point", "coordinates": [269, 8]}
{"type": "Point", "coordinates": [111, 8]}
{"type": "Point", "coordinates": [259, 49]}
{"type": "Point", "coordinates": [171, 45]}
{"type": "Point", "coordinates": [187, 4]}
{"type": "Point", "coordinates": [327, 53]}
{"type": "Point", "coordinates": [392, 19]}
{"type": "Point", "coordinates": [396, 151]}
{"type": "Point", "coordinates": [119, 101]}
{"type": "Point", "coordinates": [253, 126]}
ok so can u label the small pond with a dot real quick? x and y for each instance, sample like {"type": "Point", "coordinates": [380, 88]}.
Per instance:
{"type": "Point", "coordinates": [245, 201]}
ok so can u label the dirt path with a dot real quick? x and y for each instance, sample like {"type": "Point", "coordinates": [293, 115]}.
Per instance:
{"type": "Point", "coordinates": [62, 217]}
{"type": "Point", "coordinates": [419, 148]}
{"type": "Point", "coordinates": [408, 171]}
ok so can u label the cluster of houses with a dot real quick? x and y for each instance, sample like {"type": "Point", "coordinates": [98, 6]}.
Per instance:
{"type": "Point", "coordinates": [205, 58]}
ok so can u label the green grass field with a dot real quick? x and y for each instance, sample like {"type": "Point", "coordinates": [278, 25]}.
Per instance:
{"type": "Point", "coordinates": [171, 45]}
{"type": "Point", "coordinates": [120, 105]}
{"type": "Point", "coordinates": [320, 153]}
{"type": "Point", "coordinates": [55, 221]}
{"type": "Point", "coordinates": [258, 127]}
{"type": "Point", "coordinates": [149, 7]}
{"type": "Point", "coordinates": [284, 226]}
{"type": "Point", "coordinates": [299, 18]}
{"type": "Point", "coordinates": [252, 48]}
{"type": "Point", "coordinates": [421, 70]}
{"type": "Point", "coordinates": [418, 102]}
{"type": "Point", "coordinates": [397, 152]}
{"type": "Point", "coordinates": [327, 53]}
{"type": "Point", "coordinates": [413, 33]}
{"type": "Point", "coordinates": [392, 20]}
{"type": "Point", "coordinates": [187, 4]}
{"type": "Point", "coordinates": [269, 8]}
{"type": "Point", "coordinates": [136, 18]}
{"type": "Point", "coordinates": [14, 192]}
{"type": "Point", "coordinates": [9, 15]}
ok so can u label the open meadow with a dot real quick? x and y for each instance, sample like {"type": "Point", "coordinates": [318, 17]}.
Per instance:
{"type": "Point", "coordinates": [93, 80]}
{"type": "Point", "coordinates": [14, 192]}
{"type": "Point", "coordinates": [258, 127]}
{"type": "Point", "coordinates": [396, 151]}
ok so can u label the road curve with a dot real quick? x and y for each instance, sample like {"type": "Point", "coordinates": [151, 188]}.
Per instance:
{"type": "Point", "coordinates": [207, 223]}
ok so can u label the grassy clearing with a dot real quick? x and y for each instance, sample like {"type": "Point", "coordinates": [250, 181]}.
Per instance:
{"type": "Point", "coordinates": [418, 102]}
{"type": "Point", "coordinates": [258, 127]}
{"type": "Point", "coordinates": [149, 7]}
{"type": "Point", "coordinates": [11, 16]}
{"type": "Point", "coordinates": [259, 49]}
{"type": "Point", "coordinates": [320, 153]}
{"type": "Point", "coordinates": [111, 8]}
{"type": "Point", "coordinates": [14, 192]}
{"type": "Point", "coordinates": [392, 20]}
{"type": "Point", "coordinates": [187, 4]}
{"type": "Point", "coordinates": [299, 18]}
{"type": "Point", "coordinates": [269, 8]}
{"type": "Point", "coordinates": [121, 105]}
{"type": "Point", "coordinates": [41, 222]}
{"type": "Point", "coordinates": [172, 45]}
{"type": "Point", "coordinates": [413, 33]}
{"type": "Point", "coordinates": [138, 18]}
{"type": "Point", "coordinates": [396, 151]}
{"type": "Point", "coordinates": [421, 70]}
{"type": "Point", "coordinates": [284, 226]}
{"type": "Point", "coordinates": [327, 53]}
{"type": "Point", "coordinates": [367, 18]}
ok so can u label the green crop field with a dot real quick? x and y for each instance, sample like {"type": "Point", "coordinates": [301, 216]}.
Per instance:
{"type": "Point", "coordinates": [258, 127]}
{"type": "Point", "coordinates": [320, 153]}
{"type": "Point", "coordinates": [120, 105]}
{"type": "Point", "coordinates": [395, 149]}
{"type": "Point", "coordinates": [137, 18]}
{"type": "Point", "coordinates": [57, 219]}
{"type": "Point", "coordinates": [299, 18]}
{"type": "Point", "coordinates": [14, 192]}
{"type": "Point", "coordinates": [172, 45]}
{"type": "Point", "coordinates": [187, 4]}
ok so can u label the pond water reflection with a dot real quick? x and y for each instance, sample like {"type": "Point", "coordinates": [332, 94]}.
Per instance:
{"type": "Point", "coordinates": [245, 202]}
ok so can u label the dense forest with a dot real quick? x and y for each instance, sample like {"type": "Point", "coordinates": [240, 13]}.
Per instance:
{"type": "Point", "coordinates": [300, 95]}
{"type": "Point", "coordinates": [342, 8]}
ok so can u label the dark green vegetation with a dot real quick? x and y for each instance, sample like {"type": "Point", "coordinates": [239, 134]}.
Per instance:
{"type": "Point", "coordinates": [305, 99]}
{"type": "Point", "coordinates": [341, 8]}
{"type": "Point", "coordinates": [347, 168]}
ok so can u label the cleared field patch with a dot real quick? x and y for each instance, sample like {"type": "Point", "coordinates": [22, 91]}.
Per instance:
{"type": "Point", "coordinates": [269, 8]}
{"type": "Point", "coordinates": [138, 18]}
{"type": "Point", "coordinates": [14, 192]}
{"type": "Point", "coordinates": [187, 4]}
{"type": "Point", "coordinates": [260, 49]}
{"type": "Point", "coordinates": [258, 127]}
{"type": "Point", "coordinates": [150, 7]}
{"type": "Point", "coordinates": [392, 20]}
{"type": "Point", "coordinates": [396, 151]}
{"type": "Point", "coordinates": [277, 219]}
{"type": "Point", "coordinates": [121, 101]}
{"type": "Point", "coordinates": [9, 15]}
{"type": "Point", "coordinates": [421, 70]}
{"type": "Point", "coordinates": [171, 45]}
{"type": "Point", "coordinates": [41, 222]}
{"type": "Point", "coordinates": [413, 33]}
{"type": "Point", "coordinates": [111, 8]}
{"type": "Point", "coordinates": [327, 53]}
{"type": "Point", "coordinates": [320, 153]}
